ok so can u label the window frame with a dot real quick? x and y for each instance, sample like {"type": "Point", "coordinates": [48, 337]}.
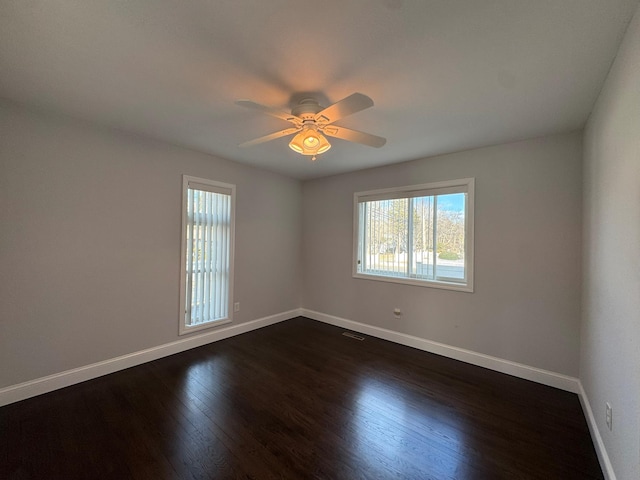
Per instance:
{"type": "Point", "coordinates": [411, 191]}
{"type": "Point", "coordinates": [215, 186]}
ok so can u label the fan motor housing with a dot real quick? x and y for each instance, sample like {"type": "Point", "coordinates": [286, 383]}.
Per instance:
{"type": "Point", "coordinates": [306, 109]}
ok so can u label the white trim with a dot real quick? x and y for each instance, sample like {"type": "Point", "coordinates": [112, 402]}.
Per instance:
{"type": "Point", "coordinates": [459, 287]}
{"type": "Point", "coordinates": [433, 188]}
{"type": "Point", "coordinates": [545, 377]}
{"type": "Point", "coordinates": [22, 391]}
{"type": "Point", "coordinates": [601, 451]}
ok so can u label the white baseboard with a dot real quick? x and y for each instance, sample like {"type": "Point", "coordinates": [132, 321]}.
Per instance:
{"type": "Point", "coordinates": [520, 370]}
{"type": "Point", "coordinates": [601, 451]}
{"type": "Point", "coordinates": [22, 391]}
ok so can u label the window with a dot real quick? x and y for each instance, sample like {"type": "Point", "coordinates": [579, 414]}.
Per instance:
{"type": "Point", "coordinates": [208, 217]}
{"type": "Point", "coordinates": [420, 235]}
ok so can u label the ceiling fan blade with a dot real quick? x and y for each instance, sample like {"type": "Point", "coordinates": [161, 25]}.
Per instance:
{"type": "Point", "coordinates": [354, 136]}
{"type": "Point", "coordinates": [347, 106]}
{"type": "Point", "coordinates": [272, 136]}
{"type": "Point", "coordinates": [269, 111]}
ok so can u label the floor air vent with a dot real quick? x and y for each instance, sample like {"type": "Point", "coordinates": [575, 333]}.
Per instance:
{"type": "Point", "coordinates": [352, 335]}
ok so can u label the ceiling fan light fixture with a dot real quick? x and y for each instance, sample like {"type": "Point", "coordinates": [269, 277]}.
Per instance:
{"type": "Point", "coordinates": [309, 142]}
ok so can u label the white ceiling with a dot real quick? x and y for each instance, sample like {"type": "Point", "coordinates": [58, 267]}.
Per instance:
{"type": "Point", "coordinates": [445, 75]}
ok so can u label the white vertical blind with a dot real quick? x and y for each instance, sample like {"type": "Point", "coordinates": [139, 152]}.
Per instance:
{"type": "Point", "coordinates": [207, 252]}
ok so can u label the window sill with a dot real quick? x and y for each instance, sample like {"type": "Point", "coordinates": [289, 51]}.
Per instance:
{"type": "Point", "coordinates": [185, 330]}
{"type": "Point", "coordinates": [418, 283]}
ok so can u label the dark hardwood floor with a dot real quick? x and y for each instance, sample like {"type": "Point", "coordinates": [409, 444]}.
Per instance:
{"type": "Point", "coordinates": [299, 400]}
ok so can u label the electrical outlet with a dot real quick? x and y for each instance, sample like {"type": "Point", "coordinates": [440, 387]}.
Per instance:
{"type": "Point", "coordinates": [609, 416]}
{"type": "Point", "coordinates": [236, 307]}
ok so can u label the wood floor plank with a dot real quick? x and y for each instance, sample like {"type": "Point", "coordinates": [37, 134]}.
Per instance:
{"type": "Point", "coordinates": [299, 400]}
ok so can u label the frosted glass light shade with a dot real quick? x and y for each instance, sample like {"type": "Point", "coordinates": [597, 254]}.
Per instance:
{"type": "Point", "coordinates": [309, 142]}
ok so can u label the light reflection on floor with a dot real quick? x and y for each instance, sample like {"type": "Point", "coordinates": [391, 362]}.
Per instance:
{"type": "Point", "coordinates": [388, 430]}
{"type": "Point", "coordinates": [206, 379]}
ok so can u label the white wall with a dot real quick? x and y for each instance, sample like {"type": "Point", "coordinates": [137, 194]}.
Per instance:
{"type": "Point", "coordinates": [526, 304]}
{"type": "Point", "coordinates": [90, 242]}
{"type": "Point", "coordinates": [610, 352]}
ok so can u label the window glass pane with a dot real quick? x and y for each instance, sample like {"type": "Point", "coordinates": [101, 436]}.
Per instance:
{"type": "Point", "coordinates": [208, 222]}
{"type": "Point", "coordinates": [423, 240]}
{"type": "Point", "coordinates": [385, 237]}
{"type": "Point", "coordinates": [450, 248]}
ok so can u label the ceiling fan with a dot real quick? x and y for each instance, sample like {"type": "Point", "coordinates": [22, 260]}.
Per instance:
{"type": "Point", "coordinates": [311, 123]}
